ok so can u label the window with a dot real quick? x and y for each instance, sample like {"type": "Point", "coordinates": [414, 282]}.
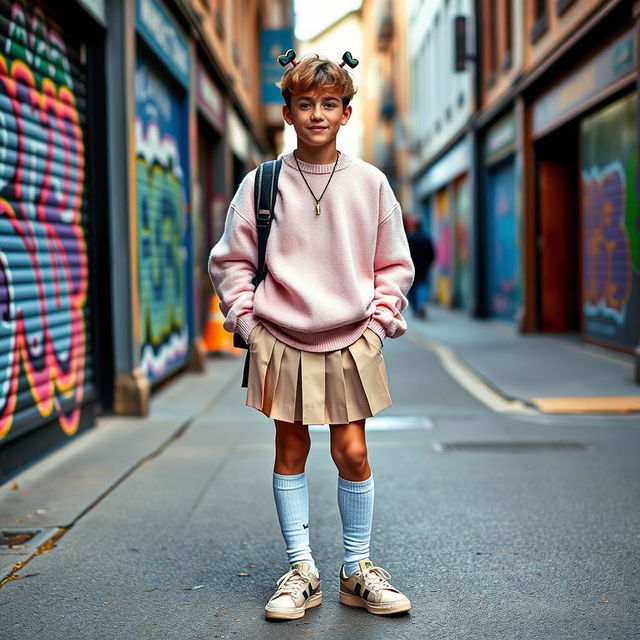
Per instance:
{"type": "Point", "coordinates": [540, 20]}
{"type": "Point", "coordinates": [562, 6]}
{"type": "Point", "coordinates": [493, 42]}
{"type": "Point", "coordinates": [508, 34]}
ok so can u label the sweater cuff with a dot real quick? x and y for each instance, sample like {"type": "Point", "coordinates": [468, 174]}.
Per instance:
{"type": "Point", "coordinates": [245, 324]}
{"type": "Point", "coordinates": [378, 329]}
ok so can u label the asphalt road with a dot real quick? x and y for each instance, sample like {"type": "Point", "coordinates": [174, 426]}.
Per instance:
{"type": "Point", "coordinates": [496, 526]}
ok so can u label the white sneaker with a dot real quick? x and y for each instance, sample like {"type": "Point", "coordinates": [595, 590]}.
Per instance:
{"type": "Point", "coordinates": [368, 587]}
{"type": "Point", "coordinates": [298, 590]}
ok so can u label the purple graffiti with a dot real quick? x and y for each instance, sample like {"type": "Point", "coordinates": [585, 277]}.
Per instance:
{"type": "Point", "coordinates": [606, 256]}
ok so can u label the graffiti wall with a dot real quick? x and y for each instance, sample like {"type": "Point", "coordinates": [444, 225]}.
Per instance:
{"type": "Point", "coordinates": [443, 241]}
{"type": "Point", "coordinates": [502, 248]}
{"type": "Point", "coordinates": [45, 337]}
{"type": "Point", "coordinates": [462, 215]}
{"type": "Point", "coordinates": [162, 223]}
{"type": "Point", "coordinates": [611, 225]}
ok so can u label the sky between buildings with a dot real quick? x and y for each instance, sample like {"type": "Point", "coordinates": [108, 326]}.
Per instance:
{"type": "Point", "coordinates": [313, 17]}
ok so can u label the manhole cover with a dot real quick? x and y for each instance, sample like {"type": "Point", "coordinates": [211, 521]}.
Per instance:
{"type": "Point", "coordinates": [23, 541]}
{"type": "Point", "coordinates": [515, 446]}
{"type": "Point", "coordinates": [388, 423]}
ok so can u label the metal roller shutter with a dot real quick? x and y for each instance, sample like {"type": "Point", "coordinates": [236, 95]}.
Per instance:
{"type": "Point", "coordinates": [46, 368]}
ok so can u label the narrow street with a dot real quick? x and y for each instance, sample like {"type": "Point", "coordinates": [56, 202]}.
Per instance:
{"type": "Point", "coordinates": [497, 525]}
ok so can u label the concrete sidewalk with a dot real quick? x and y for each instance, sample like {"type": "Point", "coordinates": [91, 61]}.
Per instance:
{"type": "Point", "coordinates": [538, 370]}
{"type": "Point", "coordinates": [51, 495]}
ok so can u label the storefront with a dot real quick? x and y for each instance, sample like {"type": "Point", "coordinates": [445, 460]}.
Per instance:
{"type": "Point", "coordinates": [586, 137]}
{"type": "Point", "coordinates": [500, 221]}
{"type": "Point", "coordinates": [211, 200]}
{"type": "Point", "coordinates": [443, 197]}
{"type": "Point", "coordinates": [163, 226]}
{"type": "Point", "coordinates": [48, 225]}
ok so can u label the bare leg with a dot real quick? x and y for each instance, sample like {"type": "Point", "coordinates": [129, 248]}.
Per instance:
{"type": "Point", "coordinates": [292, 447]}
{"type": "Point", "coordinates": [349, 451]}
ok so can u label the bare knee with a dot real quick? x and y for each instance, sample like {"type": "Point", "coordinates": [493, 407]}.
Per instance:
{"type": "Point", "coordinates": [352, 461]}
{"type": "Point", "coordinates": [292, 449]}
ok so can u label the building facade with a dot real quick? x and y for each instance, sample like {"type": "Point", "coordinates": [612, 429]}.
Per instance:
{"type": "Point", "coordinates": [128, 125]}
{"type": "Point", "coordinates": [384, 93]}
{"type": "Point", "coordinates": [580, 140]}
{"type": "Point", "coordinates": [543, 143]}
{"type": "Point", "coordinates": [441, 145]}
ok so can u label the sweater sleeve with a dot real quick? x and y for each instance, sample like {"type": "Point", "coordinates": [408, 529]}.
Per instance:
{"type": "Point", "coordinates": [232, 265]}
{"type": "Point", "coordinates": [393, 276]}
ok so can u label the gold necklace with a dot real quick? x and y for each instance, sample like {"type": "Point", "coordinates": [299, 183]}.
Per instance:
{"type": "Point", "coordinates": [325, 187]}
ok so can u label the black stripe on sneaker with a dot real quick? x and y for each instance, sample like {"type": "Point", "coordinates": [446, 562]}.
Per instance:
{"type": "Point", "coordinates": [305, 594]}
{"type": "Point", "coordinates": [365, 595]}
{"type": "Point", "coordinates": [357, 589]}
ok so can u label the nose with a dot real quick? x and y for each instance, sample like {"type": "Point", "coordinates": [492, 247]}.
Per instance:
{"type": "Point", "coordinates": [316, 113]}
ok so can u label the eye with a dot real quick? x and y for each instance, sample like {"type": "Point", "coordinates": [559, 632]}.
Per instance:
{"type": "Point", "coordinates": [331, 105]}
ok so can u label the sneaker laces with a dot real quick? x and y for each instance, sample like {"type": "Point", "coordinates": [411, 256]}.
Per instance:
{"type": "Point", "coordinates": [292, 582]}
{"type": "Point", "coordinates": [376, 578]}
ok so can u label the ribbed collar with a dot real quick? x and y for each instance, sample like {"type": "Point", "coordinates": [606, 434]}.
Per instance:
{"type": "Point", "coordinates": [343, 162]}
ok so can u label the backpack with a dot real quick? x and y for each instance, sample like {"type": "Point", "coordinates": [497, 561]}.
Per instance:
{"type": "Point", "coordinates": [265, 190]}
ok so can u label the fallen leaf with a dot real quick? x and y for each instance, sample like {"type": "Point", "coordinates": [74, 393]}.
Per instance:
{"type": "Point", "coordinates": [150, 590]}
{"type": "Point", "coordinates": [243, 574]}
{"type": "Point", "coordinates": [14, 486]}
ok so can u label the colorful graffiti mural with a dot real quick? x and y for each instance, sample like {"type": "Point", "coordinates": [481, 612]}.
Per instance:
{"type": "Point", "coordinates": [607, 259]}
{"type": "Point", "coordinates": [502, 243]}
{"type": "Point", "coordinates": [442, 233]}
{"type": "Point", "coordinates": [462, 209]}
{"type": "Point", "coordinates": [611, 225]}
{"type": "Point", "coordinates": [43, 253]}
{"type": "Point", "coordinates": [161, 192]}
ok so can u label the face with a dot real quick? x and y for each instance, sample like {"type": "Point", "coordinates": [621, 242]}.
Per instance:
{"type": "Point", "coordinates": [316, 117]}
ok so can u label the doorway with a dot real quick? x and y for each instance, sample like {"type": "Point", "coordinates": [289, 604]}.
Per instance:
{"type": "Point", "coordinates": [558, 231]}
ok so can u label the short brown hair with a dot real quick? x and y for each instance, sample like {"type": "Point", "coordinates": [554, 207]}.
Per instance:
{"type": "Point", "coordinates": [313, 72]}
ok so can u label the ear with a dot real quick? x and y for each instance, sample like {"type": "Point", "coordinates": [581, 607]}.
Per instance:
{"type": "Point", "coordinates": [346, 114]}
{"type": "Point", "coordinates": [286, 114]}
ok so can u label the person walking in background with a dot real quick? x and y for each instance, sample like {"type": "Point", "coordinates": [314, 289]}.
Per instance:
{"type": "Point", "coordinates": [422, 255]}
{"type": "Point", "coordinates": [338, 270]}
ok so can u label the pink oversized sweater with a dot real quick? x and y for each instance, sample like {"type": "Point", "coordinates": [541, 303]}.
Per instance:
{"type": "Point", "coordinates": [329, 276]}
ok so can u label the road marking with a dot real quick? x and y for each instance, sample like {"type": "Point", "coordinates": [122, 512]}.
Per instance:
{"type": "Point", "coordinates": [388, 423]}
{"type": "Point", "coordinates": [469, 380]}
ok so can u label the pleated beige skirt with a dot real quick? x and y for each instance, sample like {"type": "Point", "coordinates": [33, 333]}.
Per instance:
{"type": "Point", "coordinates": [335, 387]}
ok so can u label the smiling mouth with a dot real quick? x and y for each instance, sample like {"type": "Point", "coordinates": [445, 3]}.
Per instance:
{"type": "Point", "coordinates": [317, 128]}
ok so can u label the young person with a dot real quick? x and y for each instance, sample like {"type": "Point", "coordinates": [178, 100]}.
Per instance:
{"type": "Point", "coordinates": [338, 270]}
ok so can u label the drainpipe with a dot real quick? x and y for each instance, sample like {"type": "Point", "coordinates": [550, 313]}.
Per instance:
{"type": "Point", "coordinates": [477, 309]}
{"type": "Point", "coordinates": [636, 18]}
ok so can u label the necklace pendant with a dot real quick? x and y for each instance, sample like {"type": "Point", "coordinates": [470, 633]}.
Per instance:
{"type": "Point", "coordinates": [317, 208]}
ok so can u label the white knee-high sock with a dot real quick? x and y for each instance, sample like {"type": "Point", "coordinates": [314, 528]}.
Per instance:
{"type": "Point", "coordinates": [292, 504]}
{"type": "Point", "coordinates": [355, 501]}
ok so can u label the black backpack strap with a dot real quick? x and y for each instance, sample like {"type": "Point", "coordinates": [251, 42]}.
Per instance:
{"type": "Point", "coordinates": [265, 191]}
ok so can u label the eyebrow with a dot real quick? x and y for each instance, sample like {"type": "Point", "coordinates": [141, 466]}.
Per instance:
{"type": "Point", "coordinates": [311, 98]}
